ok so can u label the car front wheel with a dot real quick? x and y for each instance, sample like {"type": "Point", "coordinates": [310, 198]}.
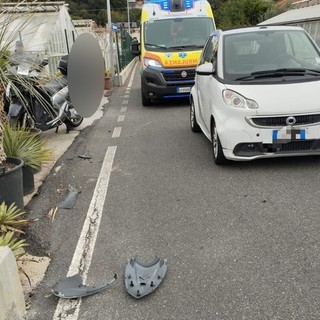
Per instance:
{"type": "Point", "coordinates": [193, 120]}
{"type": "Point", "coordinates": [217, 151]}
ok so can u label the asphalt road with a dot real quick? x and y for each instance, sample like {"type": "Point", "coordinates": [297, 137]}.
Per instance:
{"type": "Point", "coordinates": [241, 241]}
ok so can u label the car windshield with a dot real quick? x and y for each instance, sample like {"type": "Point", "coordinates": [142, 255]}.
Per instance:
{"type": "Point", "coordinates": [177, 34]}
{"type": "Point", "coordinates": [260, 55]}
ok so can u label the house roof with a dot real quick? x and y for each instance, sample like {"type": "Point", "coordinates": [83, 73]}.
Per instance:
{"type": "Point", "coordinates": [310, 13]}
{"type": "Point", "coordinates": [40, 31]}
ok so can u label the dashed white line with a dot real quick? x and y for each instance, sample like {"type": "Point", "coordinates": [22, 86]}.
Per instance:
{"type": "Point", "coordinates": [67, 308]}
{"type": "Point", "coordinates": [123, 109]}
{"type": "Point", "coordinates": [116, 132]}
{"type": "Point", "coordinates": [121, 118]}
{"type": "Point", "coordinates": [125, 101]}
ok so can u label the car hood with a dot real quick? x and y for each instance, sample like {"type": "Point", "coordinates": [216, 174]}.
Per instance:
{"type": "Point", "coordinates": [278, 98]}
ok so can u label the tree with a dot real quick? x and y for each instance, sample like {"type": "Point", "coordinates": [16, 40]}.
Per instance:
{"type": "Point", "coordinates": [241, 13]}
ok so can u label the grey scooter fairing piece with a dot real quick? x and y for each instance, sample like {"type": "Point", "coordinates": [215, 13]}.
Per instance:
{"type": "Point", "coordinates": [86, 155]}
{"type": "Point", "coordinates": [143, 278]}
{"type": "Point", "coordinates": [69, 201]}
{"type": "Point", "coordinates": [72, 287]}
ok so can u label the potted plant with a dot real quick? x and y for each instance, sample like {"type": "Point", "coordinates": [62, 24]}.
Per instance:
{"type": "Point", "coordinates": [27, 145]}
{"type": "Point", "coordinates": [11, 186]}
{"type": "Point", "coordinates": [107, 79]}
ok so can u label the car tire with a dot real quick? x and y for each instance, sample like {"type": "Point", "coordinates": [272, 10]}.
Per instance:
{"type": "Point", "coordinates": [217, 151]}
{"type": "Point", "coordinates": [193, 120]}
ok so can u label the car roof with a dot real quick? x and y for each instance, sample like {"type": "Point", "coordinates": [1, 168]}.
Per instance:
{"type": "Point", "coordinates": [258, 28]}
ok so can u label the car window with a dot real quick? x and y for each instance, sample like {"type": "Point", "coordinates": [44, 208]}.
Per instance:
{"type": "Point", "coordinates": [246, 53]}
{"type": "Point", "coordinates": [210, 51]}
{"type": "Point", "coordinates": [301, 49]}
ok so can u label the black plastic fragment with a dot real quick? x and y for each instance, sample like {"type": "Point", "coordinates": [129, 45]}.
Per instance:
{"type": "Point", "coordinates": [143, 278]}
{"type": "Point", "coordinates": [72, 287]}
{"type": "Point", "coordinates": [70, 200]}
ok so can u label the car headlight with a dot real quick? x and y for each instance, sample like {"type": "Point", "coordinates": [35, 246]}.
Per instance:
{"type": "Point", "coordinates": [236, 100]}
{"type": "Point", "coordinates": [151, 63]}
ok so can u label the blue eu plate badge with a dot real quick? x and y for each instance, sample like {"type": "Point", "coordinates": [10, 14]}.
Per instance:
{"type": "Point", "coordinates": [288, 134]}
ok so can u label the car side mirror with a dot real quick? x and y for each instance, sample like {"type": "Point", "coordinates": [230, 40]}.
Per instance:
{"type": "Point", "coordinates": [206, 69]}
{"type": "Point", "coordinates": [135, 47]}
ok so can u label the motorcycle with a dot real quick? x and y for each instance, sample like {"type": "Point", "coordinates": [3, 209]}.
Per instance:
{"type": "Point", "coordinates": [35, 103]}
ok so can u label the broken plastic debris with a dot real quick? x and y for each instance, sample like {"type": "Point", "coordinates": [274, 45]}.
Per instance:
{"type": "Point", "coordinates": [86, 155]}
{"type": "Point", "coordinates": [143, 278]}
{"type": "Point", "coordinates": [69, 201]}
{"type": "Point", "coordinates": [72, 287]}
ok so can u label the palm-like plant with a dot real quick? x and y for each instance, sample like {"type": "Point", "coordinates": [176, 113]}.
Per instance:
{"type": "Point", "coordinates": [8, 36]}
{"type": "Point", "coordinates": [11, 219]}
{"type": "Point", "coordinates": [9, 239]}
{"type": "Point", "coordinates": [22, 143]}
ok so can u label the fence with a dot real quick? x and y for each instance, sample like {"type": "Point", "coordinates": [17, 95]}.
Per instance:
{"type": "Point", "coordinates": [123, 41]}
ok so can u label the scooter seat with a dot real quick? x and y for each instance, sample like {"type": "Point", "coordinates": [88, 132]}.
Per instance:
{"type": "Point", "coordinates": [55, 85]}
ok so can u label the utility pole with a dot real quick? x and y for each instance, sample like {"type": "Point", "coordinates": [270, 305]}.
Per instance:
{"type": "Point", "coordinates": [110, 42]}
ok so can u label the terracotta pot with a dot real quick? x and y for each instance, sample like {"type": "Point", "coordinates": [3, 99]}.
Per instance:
{"type": "Point", "coordinates": [107, 83]}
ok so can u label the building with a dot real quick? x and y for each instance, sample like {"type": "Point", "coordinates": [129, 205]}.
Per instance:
{"type": "Point", "coordinates": [46, 27]}
{"type": "Point", "coordinates": [304, 15]}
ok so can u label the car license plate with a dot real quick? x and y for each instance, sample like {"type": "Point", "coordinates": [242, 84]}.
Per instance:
{"type": "Point", "coordinates": [288, 134]}
{"type": "Point", "coordinates": [183, 90]}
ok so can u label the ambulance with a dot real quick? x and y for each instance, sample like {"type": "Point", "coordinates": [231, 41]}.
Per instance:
{"type": "Point", "coordinates": [172, 35]}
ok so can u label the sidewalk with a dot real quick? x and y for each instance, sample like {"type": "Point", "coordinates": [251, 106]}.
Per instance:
{"type": "Point", "coordinates": [59, 142]}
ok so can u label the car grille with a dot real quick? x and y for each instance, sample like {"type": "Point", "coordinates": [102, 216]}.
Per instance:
{"type": "Point", "coordinates": [259, 149]}
{"type": "Point", "coordinates": [174, 77]}
{"type": "Point", "coordinates": [293, 146]}
{"type": "Point", "coordinates": [281, 121]}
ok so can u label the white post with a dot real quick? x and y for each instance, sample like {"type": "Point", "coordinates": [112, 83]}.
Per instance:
{"type": "Point", "coordinates": [128, 17]}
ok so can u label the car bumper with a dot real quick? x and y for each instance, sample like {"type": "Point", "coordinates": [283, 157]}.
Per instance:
{"type": "Point", "coordinates": [245, 142]}
{"type": "Point", "coordinates": [155, 86]}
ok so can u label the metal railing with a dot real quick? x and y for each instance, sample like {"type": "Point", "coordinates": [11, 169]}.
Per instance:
{"type": "Point", "coordinates": [123, 41]}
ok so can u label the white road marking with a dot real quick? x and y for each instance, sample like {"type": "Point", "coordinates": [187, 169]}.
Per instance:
{"type": "Point", "coordinates": [69, 308]}
{"type": "Point", "coordinates": [132, 76]}
{"type": "Point", "coordinates": [116, 132]}
{"type": "Point", "coordinates": [121, 118]}
{"type": "Point", "coordinates": [125, 101]}
{"type": "Point", "coordinates": [126, 96]}
{"type": "Point", "coordinates": [123, 109]}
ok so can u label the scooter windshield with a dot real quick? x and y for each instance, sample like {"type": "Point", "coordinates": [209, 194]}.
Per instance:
{"type": "Point", "coordinates": [25, 62]}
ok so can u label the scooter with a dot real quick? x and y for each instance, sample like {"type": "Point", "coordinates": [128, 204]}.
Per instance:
{"type": "Point", "coordinates": [40, 106]}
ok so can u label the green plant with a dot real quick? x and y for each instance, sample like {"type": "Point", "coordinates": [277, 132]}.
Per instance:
{"type": "Point", "coordinates": [22, 143]}
{"type": "Point", "coordinates": [9, 239]}
{"type": "Point", "coordinates": [11, 219]}
{"type": "Point", "coordinates": [12, 24]}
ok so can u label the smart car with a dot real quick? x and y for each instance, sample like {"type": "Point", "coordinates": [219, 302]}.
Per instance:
{"type": "Point", "coordinates": [257, 93]}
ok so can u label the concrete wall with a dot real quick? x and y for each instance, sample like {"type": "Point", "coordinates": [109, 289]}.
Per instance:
{"type": "Point", "coordinates": [124, 74]}
{"type": "Point", "coordinates": [12, 304]}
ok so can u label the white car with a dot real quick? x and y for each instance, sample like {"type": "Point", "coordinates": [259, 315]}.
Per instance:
{"type": "Point", "coordinates": [257, 93]}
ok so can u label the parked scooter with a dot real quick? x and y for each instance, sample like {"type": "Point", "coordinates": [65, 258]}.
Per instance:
{"type": "Point", "coordinates": [37, 105]}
